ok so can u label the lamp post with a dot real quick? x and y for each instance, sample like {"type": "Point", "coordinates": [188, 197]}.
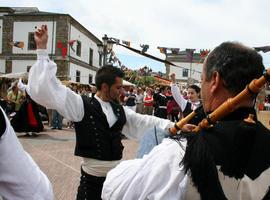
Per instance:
{"type": "Point", "coordinates": [105, 48]}
{"type": "Point", "coordinates": [146, 71]}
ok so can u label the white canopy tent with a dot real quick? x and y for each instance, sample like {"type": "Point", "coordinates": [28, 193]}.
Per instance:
{"type": "Point", "coordinates": [126, 83]}
{"type": "Point", "coordinates": [15, 75]}
{"type": "Point", "coordinates": [25, 75]}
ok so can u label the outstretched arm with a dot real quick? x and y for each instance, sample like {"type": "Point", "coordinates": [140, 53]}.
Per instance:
{"type": "Point", "coordinates": [177, 95]}
{"type": "Point", "coordinates": [46, 89]}
{"type": "Point", "coordinates": [137, 124]}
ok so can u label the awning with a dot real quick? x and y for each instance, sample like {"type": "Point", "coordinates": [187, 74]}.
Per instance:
{"type": "Point", "coordinates": [15, 75]}
{"type": "Point", "coordinates": [162, 81]}
{"type": "Point", "coordinates": [126, 83]}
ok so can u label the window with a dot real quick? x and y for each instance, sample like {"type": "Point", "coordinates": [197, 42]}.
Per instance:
{"type": "Point", "coordinates": [78, 49]}
{"type": "Point", "coordinates": [78, 76]}
{"type": "Point", "coordinates": [31, 41]}
{"type": "Point", "coordinates": [100, 59]}
{"type": "Point", "coordinates": [185, 72]}
{"type": "Point", "coordinates": [28, 68]}
{"type": "Point", "coordinates": [90, 79]}
{"type": "Point", "coordinates": [91, 57]}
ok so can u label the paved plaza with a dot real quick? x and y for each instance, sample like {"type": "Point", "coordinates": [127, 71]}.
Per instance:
{"type": "Point", "coordinates": [53, 150]}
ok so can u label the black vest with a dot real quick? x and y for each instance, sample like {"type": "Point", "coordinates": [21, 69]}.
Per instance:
{"type": "Point", "coordinates": [161, 100]}
{"type": "Point", "coordinates": [187, 109]}
{"type": "Point", "coordinates": [198, 117]}
{"type": "Point", "coordinates": [94, 138]}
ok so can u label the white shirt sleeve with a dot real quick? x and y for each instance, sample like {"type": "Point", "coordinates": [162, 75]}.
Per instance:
{"type": "Point", "coordinates": [157, 175]}
{"type": "Point", "coordinates": [137, 124]}
{"type": "Point", "coordinates": [178, 96]}
{"type": "Point", "coordinates": [20, 176]}
{"type": "Point", "coordinates": [47, 90]}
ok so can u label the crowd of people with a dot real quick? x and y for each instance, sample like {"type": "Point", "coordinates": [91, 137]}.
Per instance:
{"type": "Point", "coordinates": [160, 101]}
{"type": "Point", "coordinates": [228, 160]}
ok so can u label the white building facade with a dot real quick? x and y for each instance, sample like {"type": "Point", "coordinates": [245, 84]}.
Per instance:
{"type": "Point", "coordinates": [186, 72]}
{"type": "Point", "coordinates": [77, 61]}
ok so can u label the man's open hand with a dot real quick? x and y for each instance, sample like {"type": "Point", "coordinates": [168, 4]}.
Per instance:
{"type": "Point", "coordinates": [41, 37]}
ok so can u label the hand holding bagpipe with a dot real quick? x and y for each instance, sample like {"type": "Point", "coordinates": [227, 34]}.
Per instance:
{"type": "Point", "coordinates": [227, 107]}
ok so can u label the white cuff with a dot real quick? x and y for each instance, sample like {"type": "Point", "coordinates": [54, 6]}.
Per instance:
{"type": "Point", "coordinates": [42, 54]}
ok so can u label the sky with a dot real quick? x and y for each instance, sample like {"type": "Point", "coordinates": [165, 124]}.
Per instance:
{"type": "Point", "coordinates": [198, 24]}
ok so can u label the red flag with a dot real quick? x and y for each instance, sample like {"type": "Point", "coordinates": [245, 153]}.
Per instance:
{"type": "Point", "coordinates": [64, 52]}
{"type": "Point", "coordinates": [204, 53]}
{"type": "Point", "coordinates": [59, 45]}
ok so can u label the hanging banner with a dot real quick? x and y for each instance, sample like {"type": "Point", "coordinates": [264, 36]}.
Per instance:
{"type": "Point", "coordinates": [148, 55]}
{"type": "Point", "coordinates": [189, 53]}
{"type": "Point", "coordinates": [71, 42]}
{"type": "Point", "coordinates": [127, 43]}
{"type": "Point", "coordinates": [263, 49]}
{"type": "Point", "coordinates": [17, 44]}
{"type": "Point", "coordinates": [162, 50]}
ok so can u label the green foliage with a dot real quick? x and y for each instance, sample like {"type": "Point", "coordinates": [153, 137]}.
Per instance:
{"type": "Point", "coordinates": [144, 80]}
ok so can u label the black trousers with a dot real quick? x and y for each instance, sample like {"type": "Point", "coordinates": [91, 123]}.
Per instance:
{"type": "Point", "coordinates": [90, 187]}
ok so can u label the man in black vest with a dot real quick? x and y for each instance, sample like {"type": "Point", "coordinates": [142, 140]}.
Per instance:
{"type": "Point", "coordinates": [99, 121]}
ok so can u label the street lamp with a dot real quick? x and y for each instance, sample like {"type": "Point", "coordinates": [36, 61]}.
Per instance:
{"type": "Point", "coordinates": [146, 71]}
{"type": "Point", "coordinates": [105, 48]}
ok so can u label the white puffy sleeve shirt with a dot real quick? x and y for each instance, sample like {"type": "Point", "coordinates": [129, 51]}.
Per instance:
{"type": "Point", "coordinates": [178, 96]}
{"type": "Point", "coordinates": [157, 175]}
{"type": "Point", "coordinates": [20, 177]}
{"type": "Point", "coordinates": [47, 90]}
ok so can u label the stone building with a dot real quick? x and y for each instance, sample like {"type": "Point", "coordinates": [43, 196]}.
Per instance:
{"type": "Point", "coordinates": [72, 47]}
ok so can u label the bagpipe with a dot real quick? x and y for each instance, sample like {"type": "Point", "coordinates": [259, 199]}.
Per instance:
{"type": "Point", "coordinates": [252, 89]}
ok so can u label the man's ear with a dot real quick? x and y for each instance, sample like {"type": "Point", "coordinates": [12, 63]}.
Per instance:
{"type": "Point", "coordinates": [104, 87]}
{"type": "Point", "coordinates": [215, 82]}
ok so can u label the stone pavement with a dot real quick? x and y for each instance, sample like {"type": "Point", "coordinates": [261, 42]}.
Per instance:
{"type": "Point", "coordinates": [53, 150]}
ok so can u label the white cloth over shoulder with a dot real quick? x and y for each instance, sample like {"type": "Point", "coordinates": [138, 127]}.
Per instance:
{"type": "Point", "coordinates": [157, 175]}
{"type": "Point", "coordinates": [20, 177]}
